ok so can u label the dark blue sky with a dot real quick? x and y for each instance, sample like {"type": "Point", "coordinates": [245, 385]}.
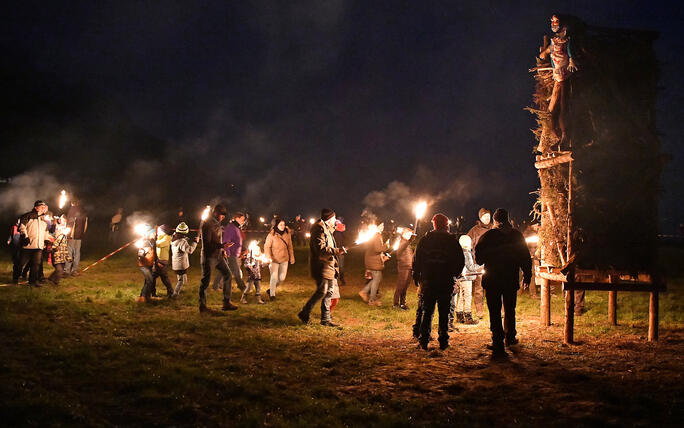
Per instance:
{"type": "Point", "coordinates": [305, 104]}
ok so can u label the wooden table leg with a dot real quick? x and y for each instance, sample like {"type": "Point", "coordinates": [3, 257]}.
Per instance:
{"type": "Point", "coordinates": [545, 305]}
{"type": "Point", "coordinates": [612, 307]}
{"type": "Point", "coordinates": [653, 317]}
{"type": "Point", "coordinates": [569, 317]}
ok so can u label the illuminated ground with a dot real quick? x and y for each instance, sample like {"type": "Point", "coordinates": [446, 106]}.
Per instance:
{"type": "Point", "coordinates": [85, 354]}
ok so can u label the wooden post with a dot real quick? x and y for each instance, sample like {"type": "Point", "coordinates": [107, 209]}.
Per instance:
{"type": "Point", "coordinates": [545, 306]}
{"type": "Point", "coordinates": [569, 316]}
{"type": "Point", "coordinates": [612, 307]}
{"type": "Point", "coordinates": [653, 317]}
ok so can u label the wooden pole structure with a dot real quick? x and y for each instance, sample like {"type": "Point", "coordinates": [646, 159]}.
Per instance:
{"type": "Point", "coordinates": [545, 306]}
{"type": "Point", "coordinates": [653, 317]}
{"type": "Point", "coordinates": [569, 336]}
{"type": "Point", "coordinates": [612, 307]}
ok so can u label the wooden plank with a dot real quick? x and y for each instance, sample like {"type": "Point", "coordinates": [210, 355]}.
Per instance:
{"type": "Point", "coordinates": [553, 161]}
{"type": "Point", "coordinates": [545, 306]}
{"type": "Point", "coordinates": [552, 276]}
{"type": "Point", "coordinates": [620, 286]}
{"type": "Point", "coordinates": [653, 317]}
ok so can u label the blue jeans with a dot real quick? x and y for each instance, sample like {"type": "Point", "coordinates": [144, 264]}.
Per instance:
{"type": "Point", "coordinates": [148, 285]}
{"type": "Point", "coordinates": [372, 287]}
{"type": "Point", "coordinates": [74, 246]}
{"type": "Point", "coordinates": [278, 273]}
{"type": "Point", "coordinates": [324, 290]}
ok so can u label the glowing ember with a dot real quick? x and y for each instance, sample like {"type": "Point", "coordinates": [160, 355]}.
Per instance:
{"type": "Point", "coordinates": [420, 209]}
{"type": "Point", "coordinates": [307, 234]}
{"type": "Point", "coordinates": [533, 239]}
{"type": "Point", "coordinates": [366, 234]}
{"type": "Point", "coordinates": [62, 199]}
{"type": "Point", "coordinates": [205, 213]}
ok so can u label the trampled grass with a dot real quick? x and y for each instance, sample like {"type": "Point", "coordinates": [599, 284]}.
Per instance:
{"type": "Point", "coordinates": [85, 353]}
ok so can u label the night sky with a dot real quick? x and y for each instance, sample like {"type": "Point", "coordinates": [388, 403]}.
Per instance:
{"type": "Point", "coordinates": [292, 106]}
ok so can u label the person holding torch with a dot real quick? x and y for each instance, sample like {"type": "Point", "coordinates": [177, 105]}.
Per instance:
{"type": "Point", "coordinates": [211, 256]}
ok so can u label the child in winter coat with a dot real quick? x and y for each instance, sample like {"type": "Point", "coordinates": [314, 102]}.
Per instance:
{"type": "Point", "coordinates": [60, 251]}
{"type": "Point", "coordinates": [461, 301]}
{"type": "Point", "coordinates": [252, 264]}
{"type": "Point", "coordinates": [181, 248]}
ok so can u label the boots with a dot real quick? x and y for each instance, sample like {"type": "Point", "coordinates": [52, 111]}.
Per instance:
{"type": "Point", "coordinates": [460, 318]}
{"type": "Point", "coordinates": [468, 319]}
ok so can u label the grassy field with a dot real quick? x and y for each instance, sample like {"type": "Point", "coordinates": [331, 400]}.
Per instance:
{"type": "Point", "coordinates": [85, 353]}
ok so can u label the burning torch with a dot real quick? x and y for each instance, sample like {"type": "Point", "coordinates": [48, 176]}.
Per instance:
{"type": "Point", "coordinates": [419, 209]}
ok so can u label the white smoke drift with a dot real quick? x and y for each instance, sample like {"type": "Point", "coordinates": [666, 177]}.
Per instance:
{"type": "Point", "coordinates": [21, 193]}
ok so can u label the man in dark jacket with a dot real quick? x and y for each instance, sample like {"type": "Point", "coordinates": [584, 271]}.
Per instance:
{"type": "Point", "coordinates": [323, 252]}
{"type": "Point", "coordinates": [211, 257]}
{"type": "Point", "coordinates": [503, 253]}
{"type": "Point", "coordinates": [438, 260]}
{"type": "Point", "coordinates": [483, 225]}
{"type": "Point", "coordinates": [77, 219]}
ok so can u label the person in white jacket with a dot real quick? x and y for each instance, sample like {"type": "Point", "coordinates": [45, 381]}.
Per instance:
{"type": "Point", "coordinates": [181, 248]}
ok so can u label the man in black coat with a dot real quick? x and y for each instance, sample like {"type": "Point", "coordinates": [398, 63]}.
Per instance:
{"type": "Point", "coordinates": [437, 262]}
{"type": "Point", "coordinates": [503, 253]}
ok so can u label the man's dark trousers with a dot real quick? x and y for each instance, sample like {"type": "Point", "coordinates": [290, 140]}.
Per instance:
{"type": "Point", "coordinates": [442, 298]}
{"type": "Point", "coordinates": [33, 257]}
{"type": "Point", "coordinates": [495, 297]}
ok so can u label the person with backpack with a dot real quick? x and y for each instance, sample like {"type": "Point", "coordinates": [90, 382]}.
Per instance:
{"type": "Point", "coordinates": [438, 260]}
{"type": "Point", "coordinates": [181, 248]}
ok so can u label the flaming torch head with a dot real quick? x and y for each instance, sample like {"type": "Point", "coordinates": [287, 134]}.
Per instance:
{"type": "Point", "coordinates": [62, 199]}
{"type": "Point", "coordinates": [420, 209]}
{"type": "Point", "coordinates": [366, 234]}
{"type": "Point", "coordinates": [141, 229]}
{"type": "Point", "coordinates": [395, 247]}
{"type": "Point", "coordinates": [312, 220]}
{"type": "Point", "coordinates": [205, 213]}
{"type": "Point", "coordinates": [532, 239]}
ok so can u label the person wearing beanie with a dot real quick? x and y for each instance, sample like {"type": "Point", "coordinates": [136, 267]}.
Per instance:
{"type": "Point", "coordinates": [279, 249]}
{"type": "Point", "coordinates": [484, 223]}
{"type": "Point", "coordinates": [323, 252]}
{"type": "Point", "coordinates": [181, 248]}
{"type": "Point", "coordinates": [33, 231]}
{"type": "Point", "coordinates": [503, 253]}
{"type": "Point", "coordinates": [212, 257]}
{"type": "Point", "coordinates": [438, 260]}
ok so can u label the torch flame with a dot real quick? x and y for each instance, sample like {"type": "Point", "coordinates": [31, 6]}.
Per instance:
{"type": "Point", "coordinates": [205, 213]}
{"type": "Point", "coordinates": [62, 199]}
{"type": "Point", "coordinates": [139, 243]}
{"type": "Point", "coordinates": [261, 219]}
{"type": "Point", "coordinates": [395, 247]}
{"type": "Point", "coordinates": [366, 234]}
{"type": "Point", "coordinates": [307, 234]}
{"type": "Point", "coordinates": [141, 229]}
{"type": "Point", "coordinates": [532, 239]}
{"type": "Point", "coordinates": [420, 209]}
{"type": "Point", "coordinates": [312, 220]}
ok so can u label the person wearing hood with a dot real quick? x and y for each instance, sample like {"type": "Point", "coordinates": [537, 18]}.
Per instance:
{"type": "Point", "coordinates": [323, 252]}
{"type": "Point", "coordinates": [60, 251]}
{"type": "Point", "coordinates": [279, 249]}
{"type": "Point", "coordinates": [481, 227]}
{"type": "Point", "coordinates": [503, 252]}
{"type": "Point", "coordinates": [163, 257]}
{"type": "Point", "coordinates": [404, 262]}
{"type": "Point", "coordinates": [181, 248]}
{"type": "Point", "coordinates": [438, 260]}
{"type": "Point", "coordinates": [461, 302]}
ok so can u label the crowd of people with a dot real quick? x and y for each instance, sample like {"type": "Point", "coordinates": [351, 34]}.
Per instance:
{"type": "Point", "coordinates": [39, 235]}
{"type": "Point", "coordinates": [454, 272]}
